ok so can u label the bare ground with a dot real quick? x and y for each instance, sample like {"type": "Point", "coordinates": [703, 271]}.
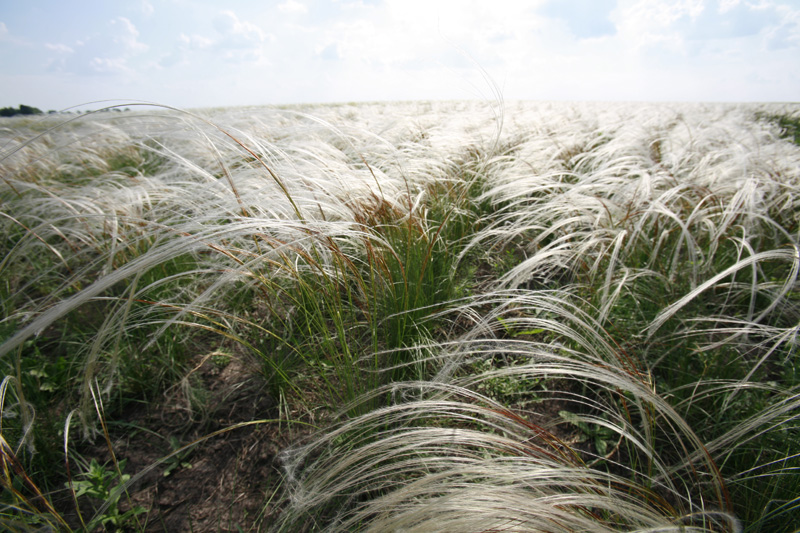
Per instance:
{"type": "Point", "coordinates": [226, 482]}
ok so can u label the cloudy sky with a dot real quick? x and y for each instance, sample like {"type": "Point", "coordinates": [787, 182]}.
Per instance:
{"type": "Point", "coordinates": [202, 53]}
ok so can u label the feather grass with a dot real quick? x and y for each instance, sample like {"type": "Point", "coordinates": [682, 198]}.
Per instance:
{"type": "Point", "coordinates": [632, 266]}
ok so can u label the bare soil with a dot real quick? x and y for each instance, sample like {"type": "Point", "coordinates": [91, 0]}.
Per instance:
{"type": "Point", "coordinates": [226, 482]}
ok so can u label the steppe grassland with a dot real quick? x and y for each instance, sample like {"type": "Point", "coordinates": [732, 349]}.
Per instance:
{"type": "Point", "coordinates": [558, 316]}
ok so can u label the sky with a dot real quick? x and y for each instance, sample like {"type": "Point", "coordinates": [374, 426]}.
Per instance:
{"type": "Point", "coordinates": [55, 54]}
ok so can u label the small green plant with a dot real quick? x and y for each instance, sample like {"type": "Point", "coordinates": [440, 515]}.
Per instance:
{"type": "Point", "coordinates": [508, 389]}
{"type": "Point", "coordinates": [177, 461]}
{"type": "Point", "coordinates": [502, 261]}
{"type": "Point", "coordinates": [510, 329]}
{"type": "Point", "coordinates": [599, 435]}
{"type": "Point", "coordinates": [220, 359]}
{"type": "Point", "coordinates": [105, 485]}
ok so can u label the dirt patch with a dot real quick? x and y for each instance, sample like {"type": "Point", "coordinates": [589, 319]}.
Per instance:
{"type": "Point", "coordinates": [226, 481]}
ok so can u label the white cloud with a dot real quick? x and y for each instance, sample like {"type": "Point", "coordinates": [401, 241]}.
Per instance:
{"type": "Point", "coordinates": [727, 5]}
{"type": "Point", "coordinates": [293, 7]}
{"type": "Point", "coordinates": [236, 41]}
{"type": "Point", "coordinates": [708, 40]}
{"type": "Point", "coordinates": [787, 34]}
{"type": "Point", "coordinates": [402, 32]}
{"type": "Point", "coordinates": [187, 45]}
{"type": "Point", "coordinates": [196, 42]}
{"type": "Point", "coordinates": [369, 49]}
{"type": "Point", "coordinates": [146, 8]}
{"type": "Point", "coordinates": [644, 22]}
{"type": "Point", "coordinates": [240, 41]}
{"type": "Point", "coordinates": [350, 5]}
{"type": "Point", "coordinates": [585, 19]}
{"type": "Point", "coordinates": [106, 52]}
{"type": "Point", "coordinates": [109, 65]}
{"type": "Point", "coordinates": [59, 62]}
{"type": "Point", "coordinates": [236, 31]}
{"type": "Point", "coordinates": [13, 38]}
{"type": "Point", "coordinates": [59, 48]}
{"type": "Point", "coordinates": [329, 52]}
{"type": "Point", "coordinates": [128, 36]}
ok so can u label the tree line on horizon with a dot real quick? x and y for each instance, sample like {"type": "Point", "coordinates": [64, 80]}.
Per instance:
{"type": "Point", "coordinates": [30, 110]}
{"type": "Point", "coordinates": [21, 110]}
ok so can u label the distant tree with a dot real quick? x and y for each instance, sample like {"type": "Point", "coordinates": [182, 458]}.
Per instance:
{"type": "Point", "coordinates": [22, 110]}
{"type": "Point", "coordinates": [28, 110]}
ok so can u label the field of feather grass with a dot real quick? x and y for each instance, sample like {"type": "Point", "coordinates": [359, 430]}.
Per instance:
{"type": "Point", "coordinates": [512, 317]}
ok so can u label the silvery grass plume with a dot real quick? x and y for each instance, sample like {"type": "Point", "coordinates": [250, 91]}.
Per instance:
{"type": "Point", "coordinates": [452, 453]}
{"type": "Point", "coordinates": [586, 321]}
{"type": "Point", "coordinates": [110, 211]}
{"type": "Point", "coordinates": [632, 208]}
{"type": "Point", "coordinates": [444, 457]}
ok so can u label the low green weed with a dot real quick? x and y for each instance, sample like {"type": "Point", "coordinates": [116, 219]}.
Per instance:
{"type": "Point", "coordinates": [599, 435]}
{"type": "Point", "coordinates": [103, 486]}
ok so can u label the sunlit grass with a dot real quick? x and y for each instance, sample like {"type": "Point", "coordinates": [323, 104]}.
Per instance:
{"type": "Point", "coordinates": [586, 320]}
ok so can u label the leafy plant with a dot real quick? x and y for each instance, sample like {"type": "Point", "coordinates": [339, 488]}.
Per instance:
{"type": "Point", "coordinates": [178, 460]}
{"type": "Point", "coordinates": [103, 485]}
{"type": "Point", "coordinates": [600, 436]}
